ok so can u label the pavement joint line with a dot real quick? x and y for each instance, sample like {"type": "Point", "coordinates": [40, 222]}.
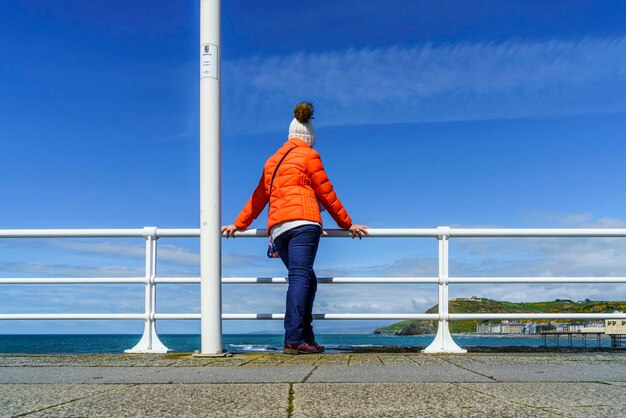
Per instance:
{"type": "Point", "coordinates": [412, 360]}
{"type": "Point", "coordinates": [470, 370]}
{"type": "Point", "coordinates": [547, 410]}
{"type": "Point", "coordinates": [318, 361]}
{"type": "Point", "coordinates": [112, 388]}
{"type": "Point", "coordinates": [605, 383]}
{"type": "Point", "coordinates": [309, 374]}
{"type": "Point", "coordinates": [242, 364]}
{"type": "Point", "coordinates": [290, 407]}
{"type": "Point", "coordinates": [170, 364]}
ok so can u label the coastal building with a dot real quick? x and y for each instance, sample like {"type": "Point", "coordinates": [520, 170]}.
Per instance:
{"type": "Point", "coordinates": [615, 326]}
{"type": "Point", "coordinates": [616, 329]}
{"type": "Point", "coordinates": [488, 328]}
{"type": "Point", "coordinates": [485, 328]}
{"type": "Point", "coordinates": [574, 327]}
{"type": "Point", "coordinates": [593, 326]}
{"type": "Point", "coordinates": [530, 328]}
{"type": "Point", "coordinates": [517, 327]}
{"type": "Point", "coordinates": [512, 327]}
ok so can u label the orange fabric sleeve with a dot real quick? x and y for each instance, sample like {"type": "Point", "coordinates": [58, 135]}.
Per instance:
{"type": "Point", "coordinates": [325, 193]}
{"type": "Point", "coordinates": [254, 207]}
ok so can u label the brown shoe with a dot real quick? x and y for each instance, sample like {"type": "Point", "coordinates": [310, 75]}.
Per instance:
{"type": "Point", "coordinates": [318, 348]}
{"type": "Point", "coordinates": [303, 348]}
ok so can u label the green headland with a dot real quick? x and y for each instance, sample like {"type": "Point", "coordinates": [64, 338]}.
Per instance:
{"type": "Point", "coordinates": [484, 305]}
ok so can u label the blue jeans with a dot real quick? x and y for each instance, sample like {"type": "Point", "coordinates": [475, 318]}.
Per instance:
{"type": "Point", "coordinates": [297, 248]}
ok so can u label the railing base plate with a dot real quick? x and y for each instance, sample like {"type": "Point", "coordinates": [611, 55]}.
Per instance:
{"type": "Point", "coordinates": [133, 351]}
{"type": "Point", "coordinates": [150, 342]}
{"type": "Point", "coordinates": [443, 342]}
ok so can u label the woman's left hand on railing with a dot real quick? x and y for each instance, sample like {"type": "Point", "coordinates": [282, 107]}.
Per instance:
{"type": "Point", "coordinates": [229, 230]}
{"type": "Point", "coordinates": [358, 230]}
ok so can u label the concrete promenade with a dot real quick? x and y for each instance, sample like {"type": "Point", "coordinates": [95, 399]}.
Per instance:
{"type": "Point", "coordinates": [332, 385]}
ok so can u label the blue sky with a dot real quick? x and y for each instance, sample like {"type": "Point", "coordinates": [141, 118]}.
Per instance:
{"type": "Point", "coordinates": [496, 113]}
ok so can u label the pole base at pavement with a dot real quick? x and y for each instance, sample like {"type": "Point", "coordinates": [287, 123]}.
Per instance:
{"type": "Point", "coordinates": [222, 354]}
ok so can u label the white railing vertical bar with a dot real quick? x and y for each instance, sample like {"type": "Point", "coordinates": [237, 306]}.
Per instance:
{"type": "Point", "coordinates": [150, 342]}
{"type": "Point", "coordinates": [443, 342]}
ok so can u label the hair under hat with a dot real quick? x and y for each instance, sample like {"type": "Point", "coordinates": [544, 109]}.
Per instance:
{"type": "Point", "coordinates": [301, 126]}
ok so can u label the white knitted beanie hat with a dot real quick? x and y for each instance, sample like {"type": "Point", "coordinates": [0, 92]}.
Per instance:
{"type": "Point", "coordinates": [301, 126]}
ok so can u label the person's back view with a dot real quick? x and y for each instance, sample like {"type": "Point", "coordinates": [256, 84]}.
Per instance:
{"type": "Point", "coordinates": [295, 185]}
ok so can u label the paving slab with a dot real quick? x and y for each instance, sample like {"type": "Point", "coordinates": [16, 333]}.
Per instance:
{"type": "Point", "coordinates": [122, 360]}
{"type": "Point", "coordinates": [21, 399]}
{"type": "Point", "coordinates": [131, 375]}
{"type": "Point", "coordinates": [357, 360]}
{"type": "Point", "coordinates": [408, 373]}
{"type": "Point", "coordinates": [257, 374]}
{"type": "Point", "coordinates": [579, 372]}
{"type": "Point", "coordinates": [216, 400]}
{"type": "Point", "coordinates": [76, 375]}
{"type": "Point", "coordinates": [401, 399]}
{"type": "Point", "coordinates": [523, 359]}
{"type": "Point", "coordinates": [569, 399]}
{"type": "Point", "coordinates": [405, 361]}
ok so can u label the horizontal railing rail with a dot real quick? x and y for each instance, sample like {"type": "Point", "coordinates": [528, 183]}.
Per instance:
{"type": "Point", "coordinates": [561, 315]}
{"type": "Point", "coordinates": [321, 280]}
{"type": "Point", "coordinates": [84, 280]}
{"type": "Point", "coordinates": [335, 316]}
{"type": "Point", "coordinates": [36, 316]}
{"type": "Point", "coordinates": [537, 280]}
{"type": "Point", "coordinates": [225, 280]}
{"type": "Point", "coordinates": [442, 342]}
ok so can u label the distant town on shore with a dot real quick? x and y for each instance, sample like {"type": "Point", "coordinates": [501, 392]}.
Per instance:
{"type": "Point", "coordinates": [508, 327]}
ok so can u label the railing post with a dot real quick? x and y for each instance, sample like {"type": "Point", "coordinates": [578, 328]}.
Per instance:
{"type": "Point", "coordinates": [443, 342]}
{"type": "Point", "coordinates": [150, 342]}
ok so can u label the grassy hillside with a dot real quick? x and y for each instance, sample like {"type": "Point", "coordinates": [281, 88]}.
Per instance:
{"type": "Point", "coordinates": [483, 305]}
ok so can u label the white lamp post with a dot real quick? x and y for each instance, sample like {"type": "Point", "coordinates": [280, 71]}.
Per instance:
{"type": "Point", "coordinates": [210, 180]}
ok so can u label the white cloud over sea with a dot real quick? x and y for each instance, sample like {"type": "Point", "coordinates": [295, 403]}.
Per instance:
{"type": "Point", "coordinates": [429, 83]}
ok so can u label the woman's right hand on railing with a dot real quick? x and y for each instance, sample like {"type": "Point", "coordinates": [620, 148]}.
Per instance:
{"type": "Point", "coordinates": [229, 231]}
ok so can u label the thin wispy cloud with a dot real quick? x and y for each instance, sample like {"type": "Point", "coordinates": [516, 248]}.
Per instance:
{"type": "Point", "coordinates": [429, 83]}
{"type": "Point", "coordinates": [171, 254]}
{"type": "Point", "coordinates": [42, 269]}
{"type": "Point", "coordinates": [73, 298]}
{"type": "Point", "coordinates": [596, 257]}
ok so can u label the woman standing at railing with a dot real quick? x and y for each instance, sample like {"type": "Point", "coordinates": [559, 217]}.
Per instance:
{"type": "Point", "coordinates": [295, 184]}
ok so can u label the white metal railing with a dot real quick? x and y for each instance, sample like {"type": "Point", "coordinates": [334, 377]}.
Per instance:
{"type": "Point", "coordinates": [442, 343]}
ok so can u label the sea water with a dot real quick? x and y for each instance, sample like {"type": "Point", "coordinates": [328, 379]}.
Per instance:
{"type": "Point", "coordinates": [242, 343]}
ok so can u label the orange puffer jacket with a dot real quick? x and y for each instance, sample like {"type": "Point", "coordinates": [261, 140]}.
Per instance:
{"type": "Point", "coordinates": [299, 184]}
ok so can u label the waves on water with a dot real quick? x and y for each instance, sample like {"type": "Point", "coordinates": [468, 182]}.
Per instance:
{"type": "Point", "coordinates": [250, 348]}
{"type": "Point", "coordinates": [243, 343]}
